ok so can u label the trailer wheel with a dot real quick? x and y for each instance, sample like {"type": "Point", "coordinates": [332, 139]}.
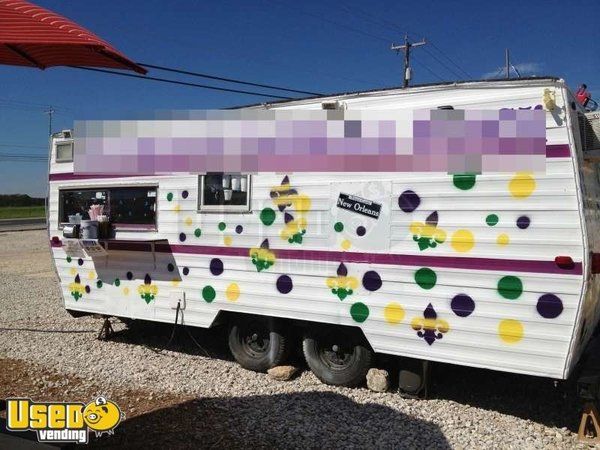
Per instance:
{"type": "Point", "coordinates": [337, 358]}
{"type": "Point", "coordinates": [258, 343]}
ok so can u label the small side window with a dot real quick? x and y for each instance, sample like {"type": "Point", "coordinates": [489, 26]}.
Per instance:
{"type": "Point", "coordinates": [224, 192]}
{"type": "Point", "coordinates": [64, 152]}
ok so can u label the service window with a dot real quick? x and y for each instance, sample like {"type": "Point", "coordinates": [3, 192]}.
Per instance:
{"type": "Point", "coordinates": [224, 192]}
{"type": "Point", "coordinates": [126, 207]}
{"type": "Point", "coordinates": [64, 152]}
{"type": "Point", "coordinates": [78, 201]}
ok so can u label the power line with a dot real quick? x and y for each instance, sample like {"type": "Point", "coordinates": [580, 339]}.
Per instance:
{"type": "Point", "coordinates": [183, 83]}
{"type": "Point", "coordinates": [228, 80]}
{"type": "Point", "coordinates": [24, 146]}
{"type": "Point", "coordinates": [393, 27]}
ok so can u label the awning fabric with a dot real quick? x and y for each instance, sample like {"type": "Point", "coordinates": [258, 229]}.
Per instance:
{"type": "Point", "coordinates": [33, 36]}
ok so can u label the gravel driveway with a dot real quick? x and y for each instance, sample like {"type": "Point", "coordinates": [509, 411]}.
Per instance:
{"type": "Point", "coordinates": [181, 397]}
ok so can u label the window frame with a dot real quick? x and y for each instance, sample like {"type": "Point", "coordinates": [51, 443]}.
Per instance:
{"type": "Point", "coordinates": [120, 226]}
{"type": "Point", "coordinates": [64, 160]}
{"type": "Point", "coordinates": [243, 209]}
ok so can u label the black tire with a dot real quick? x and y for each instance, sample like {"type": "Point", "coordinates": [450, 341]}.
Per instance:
{"type": "Point", "coordinates": [337, 357]}
{"type": "Point", "coordinates": [258, 343]}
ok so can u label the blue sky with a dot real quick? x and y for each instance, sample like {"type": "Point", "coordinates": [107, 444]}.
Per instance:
{"type": "Point", "coordinates": [313, 45]}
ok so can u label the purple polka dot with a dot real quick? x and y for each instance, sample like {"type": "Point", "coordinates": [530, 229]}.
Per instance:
{"type": "Point", "coordinates": [523, 222]}
{"type": "Point", "coordinates": [87, 289]}
{"type": "Point", "coordinates": [216, 266]}
{"type": "Point", "coordinates": [182, 237]}
{"type": "Point", "coordinates": [409, 201]}
{"type": "Point", "coordinates": [284, 284]}
{"type": "Point", "coordinates": [129, 275]}
{"type": "Point", "coordinates": [239, 229]}
{"type": "Point", "coordinates": [462, 305]}
{"type": "Point", "coordinates": [186, 271]}
{"type": "Point", "coordinates": [371, 280]}
{"type": "Point", "coordinates": [80, 262]}
{"type": "Point", "coordinates": [185, 194]}
{"type": "Point", "coordinates": [360, 231]}
{"type": "Point", "coordinates": [549, 306]}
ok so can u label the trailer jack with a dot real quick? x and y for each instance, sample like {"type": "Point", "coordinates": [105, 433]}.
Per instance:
{"type": "Point", "coordinates": [589, 427]}
{"type": "Point", "coordinates": [106, 331]}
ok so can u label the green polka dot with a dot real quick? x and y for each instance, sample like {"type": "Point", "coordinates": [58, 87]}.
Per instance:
{"type": "Point", "coordinates": [425, 278]}
{"type": "Point", "coordinates": [99, 284]}
{"type": "Point", "coordinates": [222, 226]}
{"type": "Point", "coordinates": [170, 196]}
{"type": "Point", "coordinates": [267, 216]}
{"type": "Point", "coordinates": [117, 282]}
{"type": "Point", "coordinates": [491, 220]}
{"type": "Point", "coordinates": [208, 294]}
{"type": "Point", "coordinates": [197, 232]}
{"type": "Point", "coordinates": [464, 181]}
{"type": "Point", "coordinates": [510, 287]}
{"type": "Point", "coordinates": [339, 226]}
{"type": "Point", "coordinates": [359, 312]}
{"type": "Point", "coordinates": [69, 259]}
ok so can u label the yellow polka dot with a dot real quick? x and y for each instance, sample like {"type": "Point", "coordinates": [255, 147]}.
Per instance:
{"type": "Point", "coordinates": [177, 208]}
{"type": "Point", "coordinates": [73, 271]}
{"type": "Point", "coordinates": [346, 244]}
{"type": "Point", "coordinates": [175, 282]}
{"type": "Point", "coordinates": [393, 313]}
{"type": "Point", "coordinates": [227, 240]}
{"type": "Point", "coordinates": [463, 241]}
{"type": "Point", "coordinates": [92, 275]}
{"type": "Point", "coordinates": [510, 331]}
{"type": "Point", "coordinates": [126, 291]}
{"type": "Point", "coordinates": [502, 239]}
{"type": "Point", "coordinates": [232, 292]}
{"type": "Point", "coordinates": [522, 185]}
{"type": "Point", "coordinates": [188, 221]}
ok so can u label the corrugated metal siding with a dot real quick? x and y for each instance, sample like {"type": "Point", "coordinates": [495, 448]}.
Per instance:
{"type": "Point", "coordinates": [499, 333]}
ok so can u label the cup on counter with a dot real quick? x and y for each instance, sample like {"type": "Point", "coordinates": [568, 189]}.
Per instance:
{"type": "Point", "coordinates": [227, 193]}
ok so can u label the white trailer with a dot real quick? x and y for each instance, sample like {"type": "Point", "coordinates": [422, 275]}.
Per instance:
{"type": "Point", "coordinates": [493, 270]}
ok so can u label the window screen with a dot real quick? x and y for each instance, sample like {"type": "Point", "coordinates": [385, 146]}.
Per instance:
{"type": "Point", "coordinates": [134, 206]}
{"type": "Point", "coordinates": [64, 152]}
{"type": "Point", "coordinates": [224, 192]}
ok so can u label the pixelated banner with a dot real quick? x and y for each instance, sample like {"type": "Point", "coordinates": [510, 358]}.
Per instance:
{"type": "Point", "coordinates": [454, 141]}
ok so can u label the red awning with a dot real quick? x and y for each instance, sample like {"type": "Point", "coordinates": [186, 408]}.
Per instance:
{"type": "Point", "coordinates": [33, 36]}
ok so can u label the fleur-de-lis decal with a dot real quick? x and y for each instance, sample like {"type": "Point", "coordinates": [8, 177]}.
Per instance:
{"type": "Point", "coordinates": [342, 285]}
{"type": "Point", "coordinates": [428, 235]}
{"type": "Point", "coordinates": [429, 327]}
{"type": "Point", "coordinates": [148, 291]}
{"type": "Point", "coordinates": [294, 229]}
{"type": "Point", "coordinates": [77, 289]}
{"type": "Point", "coordinates": [283, 194]}
{"type": "Point", "coordinates": [262, 257]}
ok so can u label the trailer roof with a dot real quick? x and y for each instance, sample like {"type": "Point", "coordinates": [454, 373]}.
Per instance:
{"type": "Point", "coordinates": [400, 89]}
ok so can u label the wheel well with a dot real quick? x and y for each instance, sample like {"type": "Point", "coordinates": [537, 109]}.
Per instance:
{"type": "Point", "coordinates": [299, 328]}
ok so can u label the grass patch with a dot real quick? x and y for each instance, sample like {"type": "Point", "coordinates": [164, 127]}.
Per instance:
{"type": "Point", "coordinates": [18, 212]}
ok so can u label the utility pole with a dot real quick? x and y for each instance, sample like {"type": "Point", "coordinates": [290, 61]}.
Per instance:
{"type": "Point", "coordinates": [49, 111]}
{"type": "Point", "coordinates": [507, 62]}
{"type": "Point", "coordinates": [406, 47]}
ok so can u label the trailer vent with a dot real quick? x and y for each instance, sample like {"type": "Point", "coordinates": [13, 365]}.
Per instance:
{"type": "Point", "coordinates": [332, 105]}
{"type": "Point", "coordinates": [589, 125]}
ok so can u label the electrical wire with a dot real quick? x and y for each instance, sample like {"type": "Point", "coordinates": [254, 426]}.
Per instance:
{"type": "Point", "coordinates": [393, 27]}
{"type": "Point", "coordinates": [228, 80]}
{"type": "Point", "coordinates": [183, 83]}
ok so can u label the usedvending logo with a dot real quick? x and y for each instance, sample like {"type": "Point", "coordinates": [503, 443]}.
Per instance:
{"type": "Point", "coordinates": [359, 205]}
{"type": "Point", "coordinates": [63, 421]}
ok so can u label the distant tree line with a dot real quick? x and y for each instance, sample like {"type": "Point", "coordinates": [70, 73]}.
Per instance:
{"type": "Point", "coordinates": [20, 200]}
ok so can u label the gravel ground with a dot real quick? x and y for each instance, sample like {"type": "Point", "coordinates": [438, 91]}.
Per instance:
{"type": "Point", "coordinates": [181, 397]}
